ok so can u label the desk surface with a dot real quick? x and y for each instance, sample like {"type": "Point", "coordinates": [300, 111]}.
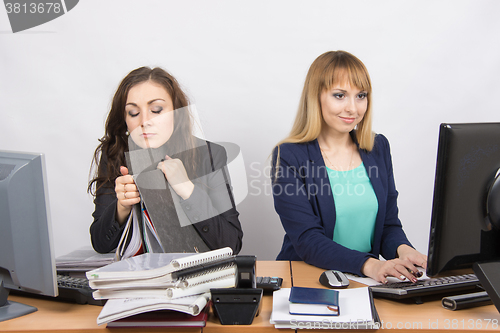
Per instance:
{"type": "Point", "coordinates": [407, 316]}
{"type": "Point", "coordinates": [61, 317]}
{"type": "Point", "coordinates": [261, 322]}
{"type": "Point", "coordinates": [53, 316]}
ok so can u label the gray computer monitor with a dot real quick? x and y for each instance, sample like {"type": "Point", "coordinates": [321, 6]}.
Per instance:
{"type": "Point", "coordinates": [26, 250]}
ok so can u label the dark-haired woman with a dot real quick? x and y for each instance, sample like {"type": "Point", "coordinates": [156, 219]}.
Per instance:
{"type": "Point", "coordinates": [150, 112]}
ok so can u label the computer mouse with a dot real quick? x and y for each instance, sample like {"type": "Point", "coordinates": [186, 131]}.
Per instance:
{"type": "Point", "coordinates": [334, 279]}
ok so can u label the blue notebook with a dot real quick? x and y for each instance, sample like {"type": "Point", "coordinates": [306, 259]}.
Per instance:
{"type": "Point", "coordinates": [314, 301]}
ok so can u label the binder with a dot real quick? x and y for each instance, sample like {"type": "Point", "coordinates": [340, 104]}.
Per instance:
{"type": "Point", "coordinates": [222, 276]}
{"type": "Point", "coordinates": [154, 265]}
{"type": "Point", "coordinates": [116, 309]}
{"type": "Point", "coordinates": [166, 227]}
{"type": "Point", "coordinates": [163, 229]}
{"type": "Point", "coordinates": [221, 279]}
{"type": "Point", "coordinates": [146, 283]}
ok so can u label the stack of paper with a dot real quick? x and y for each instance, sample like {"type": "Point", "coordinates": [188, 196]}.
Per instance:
{"type": "Point", "coordinates": [116, 309]}
{"type": "Point", "coordinates": [163, 319]}
{"type": "Point", "coordinates": [161, 281]}
{"type": "Point", "coordinates": [356, 312]}
{"type": "Point", "coordinates": [130, 243]}
{"type": "Point", "coordinates": [83, 259]}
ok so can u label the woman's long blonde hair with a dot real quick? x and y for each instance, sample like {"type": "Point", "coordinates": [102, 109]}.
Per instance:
{"type": "Point", "coordinates": [327, 70]}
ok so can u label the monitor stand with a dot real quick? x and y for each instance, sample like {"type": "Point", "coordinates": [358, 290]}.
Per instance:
{"type": "Point", "coordinates": [9, 309]}
{"type": "Point", "coordinates": [488, 274]}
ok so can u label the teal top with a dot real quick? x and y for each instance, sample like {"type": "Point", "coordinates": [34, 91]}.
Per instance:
{"type": "Point", "coordinates": [356, 208]}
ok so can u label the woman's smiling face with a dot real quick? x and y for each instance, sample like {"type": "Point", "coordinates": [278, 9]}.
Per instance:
{"type": "Point", "coordinates": [343, 107]}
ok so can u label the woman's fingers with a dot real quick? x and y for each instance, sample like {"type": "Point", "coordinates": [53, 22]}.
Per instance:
{"type": "Point", "coordinates": [126, 190]}
{"type": "Point", "coordinates": [174, 171]}
{"type": "Point", "coordinates": [415, 257]}
{"type": "Point", "coordinates": [176, 174]}
{"type": "Point", "coordinates": [400, 269]}
{"type": "Point", "coordinates": [123, 170]}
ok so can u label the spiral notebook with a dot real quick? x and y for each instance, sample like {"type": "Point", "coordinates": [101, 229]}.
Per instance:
{"type": "Point", "coordinates": [222, 276]}
{"type": "Point", "coordinates": [154, 265]}
{"type": "Point", "coordinates": [116, 309]}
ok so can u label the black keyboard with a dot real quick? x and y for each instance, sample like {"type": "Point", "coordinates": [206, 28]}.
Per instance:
{"type": "Point", "coordinates": [432, 286]}
{"type": "Point", "coordinates": [76, 289]}
{"type": "Point", "coordinates": [71, 289]}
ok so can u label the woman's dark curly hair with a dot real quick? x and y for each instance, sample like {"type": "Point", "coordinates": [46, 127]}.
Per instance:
{"type": "Point", "coordinates": [114, 143]}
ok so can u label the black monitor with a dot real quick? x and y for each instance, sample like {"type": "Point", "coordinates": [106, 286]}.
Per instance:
{"type": "Point", "coordinates": [26, 253]}
{"type": "Point", "coordinates": [468, 163]}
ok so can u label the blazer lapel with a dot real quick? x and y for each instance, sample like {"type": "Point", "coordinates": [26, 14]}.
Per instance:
{"type": "Point", "coordinates": [321, 189]}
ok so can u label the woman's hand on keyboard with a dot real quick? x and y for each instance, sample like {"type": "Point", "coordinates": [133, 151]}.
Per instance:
{"type": "Point", "coordinates": [380, 270]}
{"type": "Point", "coordinates": [406, 252]}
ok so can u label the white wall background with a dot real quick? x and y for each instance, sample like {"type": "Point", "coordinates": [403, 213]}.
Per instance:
{"type": "Point", "coordinates": [243, 64]}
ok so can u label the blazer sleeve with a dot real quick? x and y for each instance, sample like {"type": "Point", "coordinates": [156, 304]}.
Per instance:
{"type": "Point", "coordinates": [105, 231]}
{"type": "Point", "coordinates": [211, 208]}
{"type": "Point", "coordinates": [393, 235]}
{"type": "Point", "coordinates": [304, 228]}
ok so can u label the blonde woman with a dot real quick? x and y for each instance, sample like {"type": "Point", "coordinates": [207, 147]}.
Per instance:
{"type": "Point", "coordinates": [333, 184]}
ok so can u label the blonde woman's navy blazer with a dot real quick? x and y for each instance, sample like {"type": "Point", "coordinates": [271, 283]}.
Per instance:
{"type": "Point", "coordinates": [304, 201]}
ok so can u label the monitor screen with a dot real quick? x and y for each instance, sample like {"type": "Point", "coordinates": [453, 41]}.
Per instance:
{"type": "Point", "coordinates": [467, 163]}
{"type": "Point", "coordinates": [26, 252]}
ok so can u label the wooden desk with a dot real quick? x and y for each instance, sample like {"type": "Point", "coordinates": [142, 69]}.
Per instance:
{"type": "Point", "coordinates": [60, 317]}
{"type": "Point", "coordinates": [407, 316]}
{"type": "Point", "coordinates": [53, 316]}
